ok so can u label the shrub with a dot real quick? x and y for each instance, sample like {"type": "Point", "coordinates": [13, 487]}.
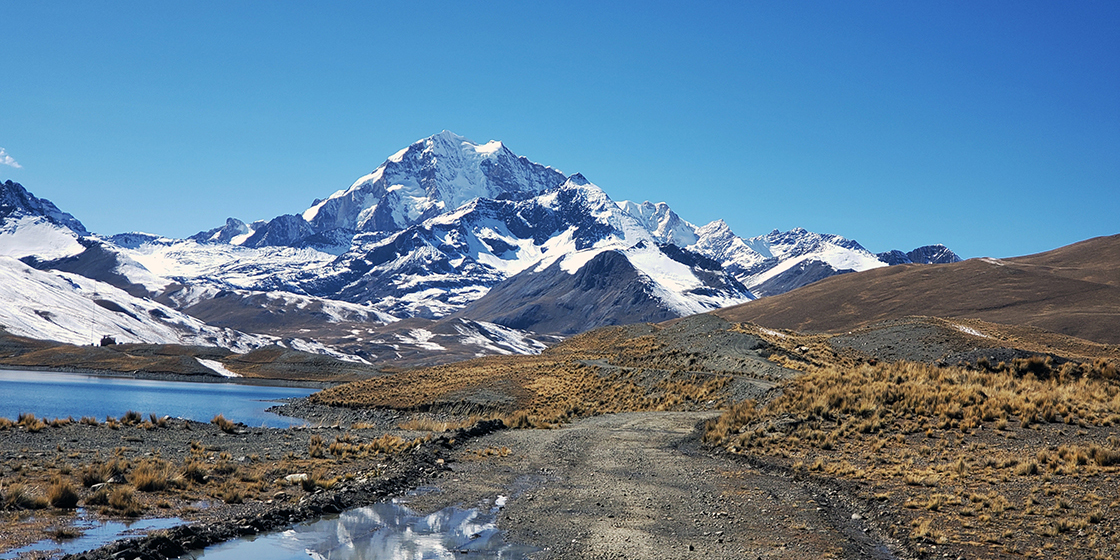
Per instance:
{"type": "Point", "coordinates": [315, 446]}
{"type": "Point", "coordinates": [131, 417]}
{"type": "Point", "coordinates": [227, 426]}
{"type": "Point", "coordinates": [124, 500]}
{"type": "Point", "coordinates": [21, 496]}
{"type": "Point", "coordinates": [151, 476]}
{"type": "Point", "coordinates": [194, 472]}
{"type": "Point", "coordinates": [30, 423]}
{"type": "Point", "coordinates": [61, 494]}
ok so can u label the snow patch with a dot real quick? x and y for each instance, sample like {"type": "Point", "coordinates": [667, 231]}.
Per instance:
{"type": "Point", "coordinates": [217, 367]}
{"type": "Point", "coordinates": [35, 236]}
{"type": "Point", "coordinates": [497, 339]}
{"type": "Point", "coordinates": [421, 338]}
{"type": "Point", "coordinates": [971, 331]}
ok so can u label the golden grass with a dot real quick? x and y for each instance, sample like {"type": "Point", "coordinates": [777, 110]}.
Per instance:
{"type": "Point", "coordinates": [154, 475]}
{"type": "Point", "coordinates": [537, 391]}
{"type": "Point", "coordinates": [836, 402]}
{"type": "Point", "coordinates": [227, 426]}
{"type": "Point", "coordinates": [62, 494]}
{"type": "Point", "coordinates": [432, 425]}
{"type": "Point", "coordinates": [21, 496]}
{"type": "Point", "coordinates": [959, 451]}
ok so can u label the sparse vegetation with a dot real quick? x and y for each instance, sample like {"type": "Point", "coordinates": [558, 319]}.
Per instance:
{"type": "Point", "coordinates": [940, 440]}
{"type": "Point", "coordinates": [61, 494]}
{"type": "Point", "coordinates": [227, 426]}
{"type": "Point", "coordinates": [153, 475]}
{"type": "Point", "coordinates": [21, 496]}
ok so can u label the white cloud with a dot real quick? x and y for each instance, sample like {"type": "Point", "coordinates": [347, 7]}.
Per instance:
{"type": "Point", "coordinates": [7, 159]}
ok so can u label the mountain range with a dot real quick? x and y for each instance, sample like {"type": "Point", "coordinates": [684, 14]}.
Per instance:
{"type": "Point", "coordinates": [448, 248]}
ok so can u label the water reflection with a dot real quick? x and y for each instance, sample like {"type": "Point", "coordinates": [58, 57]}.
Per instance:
{"type": "Point", "coordinates": [95, 533]}
{"type": "Point", "coordinates": [381, 531]}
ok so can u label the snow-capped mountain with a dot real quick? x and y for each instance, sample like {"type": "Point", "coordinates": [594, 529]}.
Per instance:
{"type": "Point", "coordinates": [35, 226]}
{"type": "Point", "coordinates": [928, 254]}
{"type": "Point", "coordinates": [781, 261]}
{"type": "Point", "coordinates": [430, 177]}
{"type": "Point", "coordinates": [74, 309]}
{"type": "Point", "coordinates": [431, 231]}
{"type": "Point", "coordinates": [470, 237]}
{"type": "Point", "coordinates": [441, 265]}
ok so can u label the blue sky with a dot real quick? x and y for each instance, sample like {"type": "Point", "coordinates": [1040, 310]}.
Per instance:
{"type": "Point", "coordinates": [991, 127]}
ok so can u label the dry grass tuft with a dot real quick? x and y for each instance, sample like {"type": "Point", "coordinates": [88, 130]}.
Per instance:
{"type": "Point", "coordinates": [154, 475]}
{"type": "Point", "coordinates": [99, 472]}
{"type": "Point", "coordinates": [61, 494]}
{"type": "Point", "coordinates": [21, 496]}
{"type": "Point", "coordinates": [29, 422]}
{"type": "Point", "coordinates": [123, 499]}
{"type": "Point", "coordinates": [315, 447]}
{"type": "Point", "coordinates": [227, 426]}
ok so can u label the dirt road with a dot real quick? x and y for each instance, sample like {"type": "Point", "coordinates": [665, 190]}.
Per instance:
{"type": "Point", "coordinates": [639, 485]}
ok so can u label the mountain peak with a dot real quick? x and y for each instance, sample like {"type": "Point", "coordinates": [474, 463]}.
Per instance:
{"type": "Point", "coordinates": [578, 179]}
{"type": "Point", "coordinates": [16, 202]}
{"type": "Point", "coordinates": [450, 143]}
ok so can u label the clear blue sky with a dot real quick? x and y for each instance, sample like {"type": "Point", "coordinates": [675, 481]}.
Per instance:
{"type": "Point", "coordinates": [991, 127]}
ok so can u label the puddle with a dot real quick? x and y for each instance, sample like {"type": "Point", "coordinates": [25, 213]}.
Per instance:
{"type": "Point", "coordinates": [95, 534]}
{"type": "Point", "coordinates": [382, 531]}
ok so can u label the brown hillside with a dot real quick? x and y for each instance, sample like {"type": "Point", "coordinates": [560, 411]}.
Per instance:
{"type": "Point", "coordinates": [1073, 290]}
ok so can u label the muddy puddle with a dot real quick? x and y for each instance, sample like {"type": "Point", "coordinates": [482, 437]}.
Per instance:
{"type": "Point", "coordinates": [94, 533]}
{"type": "Point", "coordinates": [388, 530]}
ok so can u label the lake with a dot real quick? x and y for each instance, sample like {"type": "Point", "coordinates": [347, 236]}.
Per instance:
{"type": "Point", "coordinates": [59, 395]}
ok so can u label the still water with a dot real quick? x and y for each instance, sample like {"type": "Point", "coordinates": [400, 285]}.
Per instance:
{"type": "Point", "coordinates": [59, 395]}
{"type": "Point", "coordinates": [94, 534]}
{"type": "Point", "coordinates": [382, 531]}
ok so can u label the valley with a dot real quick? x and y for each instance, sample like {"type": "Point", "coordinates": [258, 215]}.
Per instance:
{"type": "Point", "coordinates": [476, 325]}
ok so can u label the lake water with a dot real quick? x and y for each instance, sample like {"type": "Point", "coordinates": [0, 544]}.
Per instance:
{"type": "Point", "coordinates": [382, 531]}
{"type": "Point", "coordinates": [59, 395]}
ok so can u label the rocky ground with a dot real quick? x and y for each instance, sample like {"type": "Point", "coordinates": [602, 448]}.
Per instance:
{"type": "Point", "coordinates": [636, 485]}
{"type": "Point", "coordinates": [639, 485]}
{"type": "Point", "coordinates": [225, 481]}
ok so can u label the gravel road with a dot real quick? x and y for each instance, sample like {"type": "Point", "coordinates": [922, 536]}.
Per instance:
{"type": "Point", "coordinates": [639, 485]}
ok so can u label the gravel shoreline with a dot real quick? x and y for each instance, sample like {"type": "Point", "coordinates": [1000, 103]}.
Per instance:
{"type": "Point", "coordinates": [35, 457]}
{"type": "Point", "coordinates": [406, 473]}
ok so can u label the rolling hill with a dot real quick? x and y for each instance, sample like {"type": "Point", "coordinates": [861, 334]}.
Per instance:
{"type": "Point", "coordinates": [1072, 290]}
